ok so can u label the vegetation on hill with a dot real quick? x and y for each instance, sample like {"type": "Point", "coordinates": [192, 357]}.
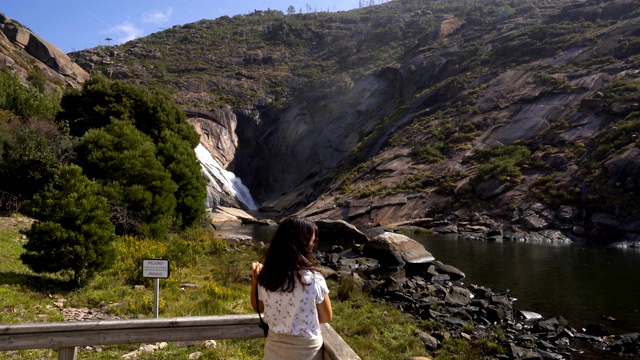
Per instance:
{"type": "Point", "coordinates": [447, 67]}
{"type": "Point", "coordinates": [111, 158]}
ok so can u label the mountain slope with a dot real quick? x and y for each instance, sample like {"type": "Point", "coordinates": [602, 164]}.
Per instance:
{"type": "Point", "coordinates": [518, 116]}
{"type": "Point", "coordinates": [24, 53]}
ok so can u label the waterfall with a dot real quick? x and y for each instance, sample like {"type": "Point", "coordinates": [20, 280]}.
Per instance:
{"type": "Point", "coordinates": [222, 181]}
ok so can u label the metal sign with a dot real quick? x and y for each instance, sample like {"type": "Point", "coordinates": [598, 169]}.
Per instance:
{"type": "Point", "coordinates": [155, 268]}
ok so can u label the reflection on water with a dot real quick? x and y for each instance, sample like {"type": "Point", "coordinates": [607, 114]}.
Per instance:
{"type": "Point", "coordinates": [584, 284]}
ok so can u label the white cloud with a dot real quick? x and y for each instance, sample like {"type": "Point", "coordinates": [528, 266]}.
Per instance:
{"type": "Point", "coordinates": [157, 17]}
{"type": "Point", "coordinates": [125, 31]}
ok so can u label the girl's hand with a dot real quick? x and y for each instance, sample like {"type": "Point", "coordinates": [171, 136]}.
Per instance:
{"type": "Point", "coordinates": [256, 267]}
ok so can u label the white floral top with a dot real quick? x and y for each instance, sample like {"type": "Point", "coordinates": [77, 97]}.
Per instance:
{"type": "Point", "coordinates": [295, 313]}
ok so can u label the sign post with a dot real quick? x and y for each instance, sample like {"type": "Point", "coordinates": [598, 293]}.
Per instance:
{"type": "Point", "coordinates": [156, 269]}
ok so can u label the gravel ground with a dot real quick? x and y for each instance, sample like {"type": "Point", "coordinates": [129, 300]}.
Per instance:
{"type": "Point", "coordinates": [14, 222]}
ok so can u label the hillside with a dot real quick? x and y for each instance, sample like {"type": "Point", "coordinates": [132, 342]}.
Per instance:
{"type": "Point", "coordinates": [467, 116]}
{"type": "Point", "coordinates": [34, 59]}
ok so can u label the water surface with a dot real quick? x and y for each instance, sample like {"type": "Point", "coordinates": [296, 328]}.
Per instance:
{"type": "Point", "coordinates": [584, 284]}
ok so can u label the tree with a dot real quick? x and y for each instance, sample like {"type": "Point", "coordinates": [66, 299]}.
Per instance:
{"type": "Point", "coordinates": [154, 114]}
{"type": "Point", "coordinates": [191, 192]}
{"type": "Point", "coordinates": [123, 160]}
{"type": "Point", "coordinates": [27, 101]}
{"type": "Point", "coordinates": [30, 153]}
{"type": "Point", "coordinates": [73, 231]}
{"type": "Point", "coordinates": [291, 10]}
{"type": "Point", "coordinates": [101, 100]}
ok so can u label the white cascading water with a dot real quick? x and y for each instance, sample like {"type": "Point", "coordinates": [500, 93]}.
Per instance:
{"type": "Point", "coordinates": [222, 180]}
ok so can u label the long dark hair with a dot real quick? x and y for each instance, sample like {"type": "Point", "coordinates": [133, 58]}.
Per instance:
{"type": "Point", "coordinates": [289, 252]}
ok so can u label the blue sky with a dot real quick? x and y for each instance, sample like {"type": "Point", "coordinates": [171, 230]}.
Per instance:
{"type": "Point", "coordinates": [73, 25]}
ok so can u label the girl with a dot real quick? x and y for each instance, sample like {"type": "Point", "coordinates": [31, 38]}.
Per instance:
{"type": "Point", "coordinates": [292, 293]}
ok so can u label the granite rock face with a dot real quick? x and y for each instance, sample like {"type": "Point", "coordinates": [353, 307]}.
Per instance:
{"type": "Point", "coordinates": [19, 45]}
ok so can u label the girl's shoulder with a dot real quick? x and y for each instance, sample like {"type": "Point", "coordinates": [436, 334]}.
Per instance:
{"type": "Point", "coordinates": [311, 275]}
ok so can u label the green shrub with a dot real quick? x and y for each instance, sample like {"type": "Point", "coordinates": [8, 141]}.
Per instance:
{"type": "Point", "coordinates": [428, 153]}
{"type": "Point", "coordinates": [26, 101]}
{"type": "Point", "coordinates": [622, 91]}
{"type": "Point", "coordinates": [618, 135]}
{"type": "Point", "coordinates": [74, 231]}
{"type": "Point", "coordinates": [143, 304]}
{"type": "Point", "coordinates": [140, 190]}
{"type": "Point", "coordinates": [431, 325]}
{"type": "Point", "coordinates": [31, 151]}
{"type": "Point", "coordinates": [215, 291]}
{"type": "Point", "coordinates": [503, 162]}
{"type": "Point", "coordinates": [139, 141]}
{"type": "Point", "coordinates": [458, 349]}
{"type": "Point", "coordinates": [549, 191]}
{"type": "Point", "coordinates": [130, 251]}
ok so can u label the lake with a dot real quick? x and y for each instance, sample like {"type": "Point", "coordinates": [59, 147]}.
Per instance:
{"type": "Point", "coordinates": [584, 284]}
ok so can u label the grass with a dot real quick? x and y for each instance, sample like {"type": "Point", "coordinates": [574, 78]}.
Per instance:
{"type": "Point", "coordinates": [374, 330]}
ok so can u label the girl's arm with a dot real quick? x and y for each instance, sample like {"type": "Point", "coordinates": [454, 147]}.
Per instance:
{"type": "Point", "coordinates": [256, 267]}
{"type": "Point", "coordinates": [325, 312]}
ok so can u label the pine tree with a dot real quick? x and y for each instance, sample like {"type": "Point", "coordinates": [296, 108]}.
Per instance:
{"type": "Point", "coordinates": [124, 161]}
{"type": "Point", "coordinates": [73, 231]}
{"type": "Point", "coordinates": [182, 165]}
{"type": "Point", "coordinates": [156, 115]}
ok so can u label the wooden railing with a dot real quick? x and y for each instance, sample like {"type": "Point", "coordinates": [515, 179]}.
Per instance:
{"type": "Point", "coordinates": [66, 336]}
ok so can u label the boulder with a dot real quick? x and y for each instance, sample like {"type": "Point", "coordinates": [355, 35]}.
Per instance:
{"type": "Point", "coordinates": [238, 213]}
{"type": "Point", "coordinates": [453, 272]}
{"type": "Point", "coordinates": [431, 344]}
{"type": "Point", "coordinates": [220, 219]}
{"type": "Point", "coordinates": [529, 315]}
{"type": "Point", "coordinates": [569, 214]}
{"type": "Point", "coordinates": [494, 235]}
{"type": "Point", "coordinates": [534, 222]}
{"type": "Point", "coordinates": [604, 225]}
{"type": "Point", "coordinates": [340, 230]}
{"type": "Point", "coordinates": [458, 296]}
{"type": "Point", "coordinates": [393, 249]}
{"type": "Point", "coordinates": [17, 34]}
{"type": "Point", "coordinates": [623, 169]}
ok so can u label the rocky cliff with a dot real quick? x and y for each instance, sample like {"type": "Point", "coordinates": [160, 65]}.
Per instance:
{"type": "Point", "coordinates": [25, 53]}
{"type": "Point", "coordinates": [517, 117]}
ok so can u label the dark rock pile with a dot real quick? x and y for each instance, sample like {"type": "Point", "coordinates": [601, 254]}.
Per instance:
{"type": "Point", "coordinates": [432, 292]}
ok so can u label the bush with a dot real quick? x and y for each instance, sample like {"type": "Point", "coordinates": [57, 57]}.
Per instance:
{"type": "Point", "coordinates": [155, 132]}
{"type": "Point", "coordinates": [618, 135]}
{"type": "Point", "coordinates": [503, 162]}
{"type": "Point", "coordinates": [130, 251]}
{"type": "Point", "coordinates": [215, 291]}
{"type": "Point", "coordinates": [73, 232]}
{"type": "Point", "coordinates": [26, 101]}
{"type": "Point", "coordinates": [30, 153]}
{"type": "Point", "coordinates": [428, 153]}
{"type": "Point", "coordinates": [622, 91]}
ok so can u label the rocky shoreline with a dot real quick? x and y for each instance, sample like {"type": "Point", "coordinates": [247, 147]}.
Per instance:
{"type": "Point", "coordinates": [535, 222]}
{"type": "Point", "coordinates": [427, 289]}
{"type": "Point", "coordinates": [431, 291]}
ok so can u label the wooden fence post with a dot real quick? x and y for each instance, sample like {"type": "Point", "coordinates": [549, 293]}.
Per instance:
{"type": "Point", "coordinates": [67, 353]}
